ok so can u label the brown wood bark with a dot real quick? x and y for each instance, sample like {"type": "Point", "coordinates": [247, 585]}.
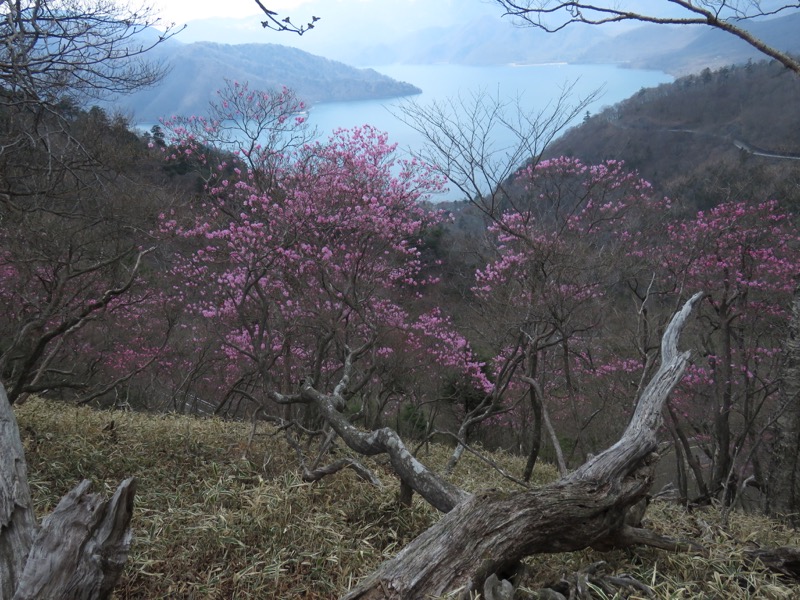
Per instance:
{"type": "Point", "coordinates": [490, 532]}
{"type": "Point", "coordinates": [80, 549]}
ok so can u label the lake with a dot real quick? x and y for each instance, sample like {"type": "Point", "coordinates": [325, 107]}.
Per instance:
{"type": "Point", "coordinates": [534, 85]}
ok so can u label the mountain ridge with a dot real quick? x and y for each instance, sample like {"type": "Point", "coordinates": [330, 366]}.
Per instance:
{"type": "Point", "coordinates": [199, 69]}
{"type": "Point", "coordinates": [721, 132]}
{"type": "Point", "coordinates": [674, 49]}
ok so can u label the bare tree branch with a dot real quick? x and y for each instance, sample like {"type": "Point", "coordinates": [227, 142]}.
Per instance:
{"type": "Point", "coordinates": [50, 49]}
{"type": "Point", "coordinates": [275, 23]}
{"type": "Point", "coordinates": [490, 533]}
{"type": "Point", "coordinates": [27, 373]}
{"type": "Point", "coordinates": [460, 141]}
{"type": "Point", "coordinates": [725, 15]}
{"type": "Point", "coordinates": [441, 494]}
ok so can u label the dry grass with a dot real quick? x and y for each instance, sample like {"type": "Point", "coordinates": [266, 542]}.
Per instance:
{"type": "Point", "coordinates": [720, 575]}
{"type": "Point", "coordinates": [213, 523]}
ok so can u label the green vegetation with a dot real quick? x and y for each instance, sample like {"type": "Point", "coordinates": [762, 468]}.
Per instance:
{"type": "Point", "coordinates": [217, 517]}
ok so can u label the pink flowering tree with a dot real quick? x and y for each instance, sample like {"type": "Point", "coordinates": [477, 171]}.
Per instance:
{"type": "Point", "coordinates": [745, 257]}
{"type": "Point", "coordinates": [546, 291]}
{"type": "Point", "coordinates": [304, 263]}
{"type": "Point", "coordinates": [62, 324]}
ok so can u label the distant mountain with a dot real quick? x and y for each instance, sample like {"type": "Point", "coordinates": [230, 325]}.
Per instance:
{"type": "Point", "coordinates": [680, 50]}
{"type": "Point", "coordinates": [482, 42]}
{"type": "Point", "coordinates": [199, 69]}
{"type": "Point", "coordinates": [677, 50]}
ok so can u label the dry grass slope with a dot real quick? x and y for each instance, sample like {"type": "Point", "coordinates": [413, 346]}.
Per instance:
{"type": "Point", "coordinates": [216, 519]}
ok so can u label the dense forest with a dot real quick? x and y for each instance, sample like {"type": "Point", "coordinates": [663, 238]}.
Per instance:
{"type": "Point", "coordinates": [698, 139]}
{"type": "Point", "coordinates": [197, 70]}
{"type": "Point", "coordinates": [235, 266]}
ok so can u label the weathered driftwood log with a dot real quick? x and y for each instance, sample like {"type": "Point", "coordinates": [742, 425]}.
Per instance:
{"type": "Point", "coordinates": [489, 533]}
{"type": "Point", "coordinates": [79, 550]}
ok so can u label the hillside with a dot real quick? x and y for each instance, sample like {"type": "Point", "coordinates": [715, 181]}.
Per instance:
{"type": "Point", "coordinates": [483, 42]}
{"type": "Point", "coordinates": [684, 50]}
{"type": "Point", "coordinates": [724, 130]}
{"type": "Point", "coordinates": [218, 517]}
{"type": "Point", "coordinates": [197, 70]}
{"type": "Point", "coordinates": [491, 40]}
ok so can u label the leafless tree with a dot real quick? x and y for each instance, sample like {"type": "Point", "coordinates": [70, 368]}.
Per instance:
{"type": "Point", "coordinates": [68, 237]}
{"type": "Point", "coordinates": [726, 15]}
{"type": "Point", "coordinates": [463, 143]}
{"type": "Point", "coordinates": [56, 56]}
{"type": "Point", "coordinates": [52, 49]}
{"type": "Point", "coordinates": [461, 139]}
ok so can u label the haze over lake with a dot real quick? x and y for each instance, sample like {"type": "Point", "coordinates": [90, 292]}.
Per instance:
{"type": "Point", "coordinates": [535, 85]}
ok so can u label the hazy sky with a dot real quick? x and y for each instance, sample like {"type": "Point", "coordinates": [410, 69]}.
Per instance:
{"type": "Point", "coordinates": [419, 11]}
{"type": "Point", "coordinates": [344, 22]}
{"type": "Point", "coordinates": [181, 11]}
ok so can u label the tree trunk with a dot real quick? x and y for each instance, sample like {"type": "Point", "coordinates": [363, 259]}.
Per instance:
{"type": "Point", "coordinates": [536, 432]}
{"type": "Point", "coordinates": [489, 533]}
{"type": "Point", "coordinates": [691, 459]}
{"type": "Point", "coordinates": [722, 459]}
{"type": "Point", "coordinates": [17, 521]}
{"type": "Point", "coordinates": [80, 549]}
{"type": "Point", "coordinates": [784, 486]}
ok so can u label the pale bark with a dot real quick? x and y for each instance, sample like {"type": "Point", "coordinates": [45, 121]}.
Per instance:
{"type": "Point", "coordinates": [82, 546]}
{"type": "Point", "coordinates": [80, 549]}
{"type": "Point", "coordinates": [17, 520]}
{"type": "Point", "coordinates": [441, 494]}
{"type": "Point", "coordinates": [490, 532]}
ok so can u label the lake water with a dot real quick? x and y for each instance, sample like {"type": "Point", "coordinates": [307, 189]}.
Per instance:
{"type": "Point", "coordinates": [535, 86]}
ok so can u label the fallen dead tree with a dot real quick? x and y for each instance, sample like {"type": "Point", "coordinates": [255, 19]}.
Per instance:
{"type": "Point", "coordinates": [489, 533]}
{"type": "Point", "coordinates": [484, 536]}
{"type": "Point", "coordinates": [79, 550]}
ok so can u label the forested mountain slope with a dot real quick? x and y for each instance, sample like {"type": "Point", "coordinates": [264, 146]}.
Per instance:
{"type": "Point", "coordinates": [683, 50]}
{"type": "Point", "coordinates": [718, 135]}
{"type": "Point", "coordinates": [198, 70]}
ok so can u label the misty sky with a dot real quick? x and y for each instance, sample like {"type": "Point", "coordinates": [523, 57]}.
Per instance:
{"type": "Point", "coordinates": [406, 13]}
{"type": "Point", "coordinates": [347, 25]}
{"type": "Point", "coordinates": [343, 22]}
{"type": "Point", "coordinates": [182, 11]}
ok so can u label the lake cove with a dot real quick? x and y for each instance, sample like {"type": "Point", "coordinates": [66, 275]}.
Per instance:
{"type": "Point", "coordinates": [536, 86]}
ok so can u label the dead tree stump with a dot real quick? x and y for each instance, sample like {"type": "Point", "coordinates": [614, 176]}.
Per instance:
{"type": "Point", "coordinates": [79, 550]}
